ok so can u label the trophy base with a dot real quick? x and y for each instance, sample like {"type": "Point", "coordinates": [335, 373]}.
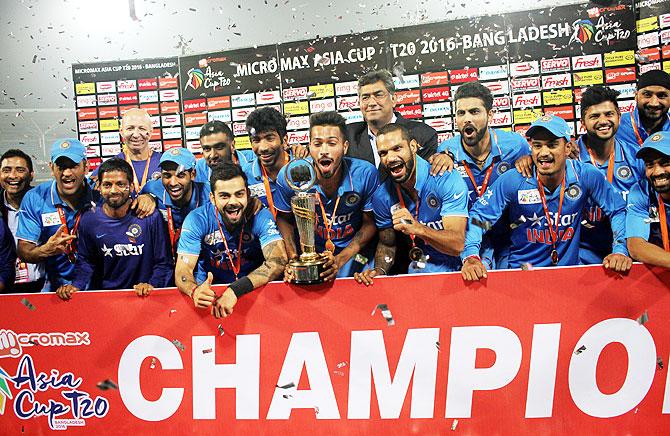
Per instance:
{"type": "Point", "coordinates": [308, 272]}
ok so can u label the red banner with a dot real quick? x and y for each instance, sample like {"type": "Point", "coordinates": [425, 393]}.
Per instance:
{"type": "Point", "coordinates": [546, 351]}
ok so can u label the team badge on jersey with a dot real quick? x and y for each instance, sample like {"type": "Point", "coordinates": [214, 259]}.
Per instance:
{"type": "Point", "coordinates": [573, 192]}
{"type": "Point", "coordinates": [352, 199]}
{"type": "Point", "coordinates": [432, 201]}
{"type": "Point", "coordinates": [134, 231]}
{"type": "Point", "coordinates": [503, 167]}
{"type": "Point", "coordinates": [624, 172]}
{"type": "Point", "coordinates": [155, 175]}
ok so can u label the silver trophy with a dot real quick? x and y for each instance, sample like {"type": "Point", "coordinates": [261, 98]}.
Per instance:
{"type": "Point", "coordinates": [307, 269]}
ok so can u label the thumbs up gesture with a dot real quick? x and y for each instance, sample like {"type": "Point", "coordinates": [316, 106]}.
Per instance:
{"type": "Point", "coordinates": [203, 295]}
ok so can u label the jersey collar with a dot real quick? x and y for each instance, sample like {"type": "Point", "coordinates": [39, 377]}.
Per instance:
{"type": "Point", "coordinates": [57, 201]}
{"type": "Point", "coordinates": [584, 153]}
{"type": "Point", "coordinates": [496, 151]}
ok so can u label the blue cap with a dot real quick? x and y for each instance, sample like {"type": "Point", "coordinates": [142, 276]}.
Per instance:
{"type": "Point", "coordinates": [181, 156]}
{"type": "Point", "coordinates": [555, 125]}
{"type": "Point", "coordinates": [659, 142]}
{"type": "Point", "coordinates": [70, 148]}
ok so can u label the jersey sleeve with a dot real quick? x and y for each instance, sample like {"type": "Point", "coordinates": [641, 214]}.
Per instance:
{"type": "Point", "coordinates": [381, 206]}
{"type": "Point", "coordinates": [637, 214]}
{"type": "Point", "coordinates": [192, 233]}
{"type": "Point", "coordinates": [283, 194]}
{"type": "Point", "coordinates": [265, 228]}
{"type": "Point", "coordinates": [520, 147]}
{"type": "Point", "coordinates": [86, 252]}
{"type": "Point", "coordinates": [487, 210]}
{"type": "Point", "coordinates": [454, 196]}
{"type": "Point", "coordinates": [605, 196]}
{"type": "Point", "coordinates": [162, 263]}
{"type": "Point", "coordinates": [30, 223]}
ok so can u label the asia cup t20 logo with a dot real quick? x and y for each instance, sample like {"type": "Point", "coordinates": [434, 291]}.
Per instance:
{"type": "Point", "coordinates": [52, 394]}
{"type": "Point", "coordinates": [583, 31]}
{"type": "Point", "coordinates": [195, 78]}
{"type": "Point", "coordinates": [605, 30]}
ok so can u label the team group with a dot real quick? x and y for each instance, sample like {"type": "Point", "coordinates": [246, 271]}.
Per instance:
{"type": "Point", "coordinates": [390, 199]}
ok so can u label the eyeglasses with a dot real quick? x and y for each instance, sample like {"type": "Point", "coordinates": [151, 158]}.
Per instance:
{"type": "Point", "coordinates": [378, 96]}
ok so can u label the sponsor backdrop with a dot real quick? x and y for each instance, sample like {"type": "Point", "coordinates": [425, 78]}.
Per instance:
{"type": "Point", "coordinates": [653, 35]}
{"type": "Point", "coordinates": [509, 356]}
{"type": "Point", "coordinates": [533, 61]}
{"type": "Point", "coordinates": [104, 91]}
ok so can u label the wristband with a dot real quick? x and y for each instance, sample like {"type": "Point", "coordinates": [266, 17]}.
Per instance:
{"type": "Point", "coordinates": [241, 286]}
{"type": "Point", "coordinates": [472, 256]}
{"type": "Point", "coordinates": [192, 292]}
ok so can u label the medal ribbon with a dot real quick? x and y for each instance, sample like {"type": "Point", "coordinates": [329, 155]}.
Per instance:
{"type": "Point", "coordinates": [329, 241]}
{"type": "Point", "coordinates": [136, 184]}
{"type": "Point", "coordinates": [175, 233]}
{"type": "Point", "coordinates": [481, 190]}
{"type": "Point", "coordinates": [268, 191]}
{"type": "Point", "coordinates": [235, 266]}
{"type": "Point", "coordinates": [402, 204]}
{"type": "Point", "coordinates": [70, 248]}
{"type": "Point", "coordinates": [610, 169]}
{"type": "Point", "coordinates": [553, 233]}
{"type": "Point", "coordinates": [663, 220]}
{"type": "Point", "coordinates": [634, 126]}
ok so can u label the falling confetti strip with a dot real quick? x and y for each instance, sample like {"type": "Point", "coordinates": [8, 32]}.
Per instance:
{"type": "Point", "coordinates": [153, 363]}
{"type": "Point", "coordinates": [659, 363]}
{"type": "Point", "coordinates": [580, 349]}
{"type": "Point", "coordinates": [287, 386]}
{"type": "Point", "coordinates": [221, 332]}
{"type": "Point", "coordinates": [178, 344]}
{"type": "Point", "coordinates": [27, 303]}
{"type": "Point", "coordinates": [454, 424]}
{"type": "Point", "coordinates": [642, 319]}
{"type": "Point", "coordinates": [106, 385]}
{"type": "Point", "coordinates": [386, 313]}
{"type": "Point", "coordinates": [206, 351]}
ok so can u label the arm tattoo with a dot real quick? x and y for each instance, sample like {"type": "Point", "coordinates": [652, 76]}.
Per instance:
{"type": "Point", "coordinates": [275, 260]}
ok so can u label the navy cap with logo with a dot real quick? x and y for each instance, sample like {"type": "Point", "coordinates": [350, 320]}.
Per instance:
{"type": "Point", "coordinates": [181, 156]}
{"type": "Point", "coordinates": [657, 143]}
{"type": "Point", "coordinates": [70, 148]}
{"type": "Point", "coordinates": [555, 125]}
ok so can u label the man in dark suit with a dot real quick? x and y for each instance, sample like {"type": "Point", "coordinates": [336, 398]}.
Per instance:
{"type": "Point", "coordinates": [376, 94]}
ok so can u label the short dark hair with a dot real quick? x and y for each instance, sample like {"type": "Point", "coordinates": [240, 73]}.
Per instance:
{"type": "Point", "coordinates": [328, 119]}
{"type": "Point", "coordinates": [14, 152]}
{"type": "Point", "coordinates": [226, 171]}
{"type": "Point", "coordinates": [377, 76]}
{"type": "Point", "coordinates": [392, 127]}
{"type": "Point", "coordinates": [266, 119]}
{"type": "Point", "coordinates": [214, 127]}
{"type": "Point", "coordinates": [115, 164]}
{"type": "Point", "coordinates": [597, 94]}
{"type": "Point", "coordinates": [475, 90]}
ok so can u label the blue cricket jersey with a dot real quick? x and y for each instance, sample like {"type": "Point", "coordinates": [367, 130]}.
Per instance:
{"type": "Point", "coordinates": [39, 220]}
{"type": "Point", "coordinates": [642, 216]}
{"type": "Point", "coordinates": [118, 253]}
{"type": "Point", "coordinates": [531, 237]}
{"type": "Point", "coordinates": [596, 238]}
{"type": "Point", "coordinates": [626, 130]}
{"type": "Point", "coordinates": [200, 235]}
{"type": "Point", "coordinates": [439, 196]}
{"type": "Point", "coordinates": [255, 181]}
{"type": "Point", "coordinates": [506, 149]}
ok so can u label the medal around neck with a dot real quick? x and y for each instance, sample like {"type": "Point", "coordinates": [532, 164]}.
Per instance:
{"type": "Point", "coordinates": [301, 176]}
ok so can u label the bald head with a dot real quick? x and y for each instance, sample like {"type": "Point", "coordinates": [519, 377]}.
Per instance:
{"type": "Point", "coordinates": [136, 130]}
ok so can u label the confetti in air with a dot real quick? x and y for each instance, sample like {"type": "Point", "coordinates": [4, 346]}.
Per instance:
{"type": "Point", "coordinates": [580, 349]}
{"type": "Point", "coordinates": [386, 313]}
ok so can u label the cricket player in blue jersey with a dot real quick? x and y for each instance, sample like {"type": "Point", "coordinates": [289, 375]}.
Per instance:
{"type": "Point", "coordinates": [116, 248]}
{"type": "Point", "coordinates": [545, 210]}
{"type": "Point", "coordinates": [344, 186]}
{"type": "Point", "coordinates": [481, 154]}
{"type": "Point", "coordinates": [50, 213]}
{"type": "Point", "coordinates": [652, 101]}
{"type": "Point", "coordinates": [431, 210]}
{"type": "Point", "coordinates": [269, 142]}
{"type": "Point", "coordinates": [218, 145]}
{"type": "Point", "coordinates": [177, 193]}
{"type": "Point", "coordinates": [613, 157]}
{"type": "Point", "coordinates": [225, 242]}
{"type": "Point", "coordinates": [649, 203]}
